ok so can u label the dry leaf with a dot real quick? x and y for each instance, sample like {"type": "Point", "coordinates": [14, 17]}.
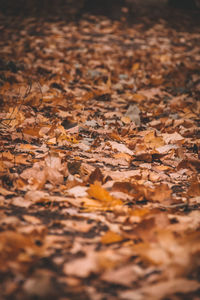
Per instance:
{"type": "Point", "coordinates": [111, 237]}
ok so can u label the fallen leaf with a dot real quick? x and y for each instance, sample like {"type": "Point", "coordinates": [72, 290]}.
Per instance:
{"type": "Point", "coordinates": [162, 289]}
{"type": "Point", "coordinates": [120, 147]}
{"type": "Point", "coordinates": [82, 267]}
{"type": "Point", "coordinates": [111, 237]}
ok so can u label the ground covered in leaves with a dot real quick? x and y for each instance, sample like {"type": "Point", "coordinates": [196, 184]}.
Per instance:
{"type": "Point", "coordinates": [99, 163]}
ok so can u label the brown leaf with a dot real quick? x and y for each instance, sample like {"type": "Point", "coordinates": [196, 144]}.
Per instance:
{"type": "Point", "coordinates": [194, 189]}
{"type": "Point", "coordinates": [153, 141]}
{"type": "Point", "coordinates": [162, 289]}
{"type": "Point", "coordinates": [82, 267]}
{"type": "Point", "coordinates": [96, 175]}
{"type": "Point", "coordinates": [161, 193]}
{"type": "Point", "coordinates": [19, 248]}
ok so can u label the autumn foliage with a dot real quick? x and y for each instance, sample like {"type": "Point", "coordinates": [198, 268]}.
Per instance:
{"type": "Point", "coordinates": [100, 156]}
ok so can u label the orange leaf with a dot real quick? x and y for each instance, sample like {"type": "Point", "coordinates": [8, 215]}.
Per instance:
{"type": "Point", "coordinates": [138, 97]}
{"type": "Point", "coordinates": [111, 237]}
{"type": "Point", "coordinates": [153, 141]}
{"type": "Point", "coordinates": [135, 67]}
{"type": "Point", "coordinates": [97, 192]}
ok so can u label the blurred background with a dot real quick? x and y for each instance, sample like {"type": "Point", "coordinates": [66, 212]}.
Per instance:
{"type": "Point", "coordinates": [78, 7]}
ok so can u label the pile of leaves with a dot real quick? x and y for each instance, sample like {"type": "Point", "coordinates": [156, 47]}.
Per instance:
{"type": "Point", "coordinates": [100, 157]}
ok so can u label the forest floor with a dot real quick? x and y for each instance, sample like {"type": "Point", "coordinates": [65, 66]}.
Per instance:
{"type": "Point", "coordinates": [100, 156]}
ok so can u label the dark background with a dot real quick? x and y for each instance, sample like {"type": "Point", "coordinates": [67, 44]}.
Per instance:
{"type": "Point", "coordinates": [45, 7]}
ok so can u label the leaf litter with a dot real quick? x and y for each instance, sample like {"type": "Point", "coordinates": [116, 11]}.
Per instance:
{"type": "Point", "coordinates": [100, 156]}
